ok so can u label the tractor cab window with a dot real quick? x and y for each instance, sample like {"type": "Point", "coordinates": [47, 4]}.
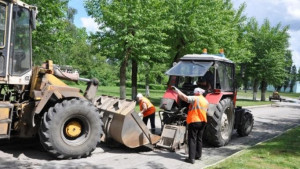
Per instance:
{"type": "Point", "coordinates": [21, 52]}
{"type": "Point", "coordinates": [225, 76]}
{"type": "Point", "coordinates": [189, 68]}
{"type": "Point", "coordinates": [2, 24]}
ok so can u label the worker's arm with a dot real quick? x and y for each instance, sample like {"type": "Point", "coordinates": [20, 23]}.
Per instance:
{"type": "Point", "coordinates": [144, 106]}
{"type": "Point", "coordinates": [181, 95]}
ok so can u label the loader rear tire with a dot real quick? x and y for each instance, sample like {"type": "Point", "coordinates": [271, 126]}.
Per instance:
{"type": "Point", "coordinates": [71, 129]}
{"type": "Point", "coordinates": [219, 126]}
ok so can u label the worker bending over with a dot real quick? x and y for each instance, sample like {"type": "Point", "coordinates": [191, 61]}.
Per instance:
{"type": "Point", "coordinates": [147, 110]}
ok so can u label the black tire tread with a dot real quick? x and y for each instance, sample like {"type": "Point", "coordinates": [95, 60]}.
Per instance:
{"type": "Point", "coordinates": [49, 118]}
{"type": "Point", "coordinates": [212, 135]}
{"type": "Point", "coordinates": [242, 128]}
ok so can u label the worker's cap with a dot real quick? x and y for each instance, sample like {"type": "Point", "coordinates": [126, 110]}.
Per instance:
{"type": "Point", "coordinates": [198, 90]}
{"type": "Point", "coordinates": [139, 95]}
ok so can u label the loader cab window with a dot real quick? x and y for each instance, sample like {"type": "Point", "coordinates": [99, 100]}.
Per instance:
{"type": "Point", "coordinates": [2, 36]}
{"type": "Point", "coordinates": [2, 24]}
{"type": "Point", "coordinates": [21, 41]}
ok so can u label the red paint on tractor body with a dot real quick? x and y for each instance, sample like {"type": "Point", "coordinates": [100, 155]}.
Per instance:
{"type": "Point", "coordinates": [170, 94]}
{"type": "Point", "coordinates": [214, 98]}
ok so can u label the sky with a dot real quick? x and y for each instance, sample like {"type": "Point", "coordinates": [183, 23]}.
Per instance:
{"type": "Point", "coordinates": [286, 12]}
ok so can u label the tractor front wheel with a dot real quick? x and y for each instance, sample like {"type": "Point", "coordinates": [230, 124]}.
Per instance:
{"type": "Point", "coordinates": [71, 129]}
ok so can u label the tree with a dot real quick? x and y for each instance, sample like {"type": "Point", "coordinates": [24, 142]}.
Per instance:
{"type": "Point", "coordinates": [298, 75]}
{"type": "Point", "coordinates": [130, 31]}
{"type": "Point", "coordinates": [50, 36]}
{"type": "Point", "coordinates": [293, 77]}
{"type": "Point", "coordinates": [206, 24]}
{"type": "Point", "coordinates": [269, 46]}
{"type": "Point", "coordinates": [288, 69]}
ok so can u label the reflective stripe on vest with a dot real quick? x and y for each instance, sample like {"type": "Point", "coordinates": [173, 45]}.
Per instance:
{"type": "Point", "coordinates": [197, 110]}
{"type": "Point", "coordinates": [150, 108]}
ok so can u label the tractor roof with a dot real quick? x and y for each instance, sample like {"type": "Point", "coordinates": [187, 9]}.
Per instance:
{"type": "Point", "coordinates": [205, 57]}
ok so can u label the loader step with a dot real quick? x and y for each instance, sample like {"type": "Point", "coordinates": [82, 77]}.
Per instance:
{"type": "Point", "coordinates": [5, 119]}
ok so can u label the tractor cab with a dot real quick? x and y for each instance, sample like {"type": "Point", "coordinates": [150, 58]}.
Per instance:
{"type": "Point", "coordinates": [17, 20]}
{"type": "Point", "coordinates": [213, 73]}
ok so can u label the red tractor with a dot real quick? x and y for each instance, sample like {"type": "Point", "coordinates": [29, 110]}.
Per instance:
{"type": "Point", "coordinates": [215, 74]}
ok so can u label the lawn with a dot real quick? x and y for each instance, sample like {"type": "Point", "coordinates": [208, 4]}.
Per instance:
{"type": "Point", "coordinates": [280, 152]}
{"type": "Point", "coordinates": [246, 102]}
{"type": "Point", "coordinates": [156, 95]}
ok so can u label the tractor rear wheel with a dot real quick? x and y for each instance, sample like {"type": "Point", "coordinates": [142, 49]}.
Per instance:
{"type": "Point", "coordinates": [246, 125]}
{"type": "Point", "coordinates": [219, 126]}
{"type": "Point", "coordinates": [71, 129]}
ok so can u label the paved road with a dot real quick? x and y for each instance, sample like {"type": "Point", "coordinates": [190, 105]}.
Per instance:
{"type": "Point", "coordinates": [270, 121]}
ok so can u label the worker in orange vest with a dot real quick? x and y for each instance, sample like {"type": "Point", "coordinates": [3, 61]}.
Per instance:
{"type": "Point", "coordinates": [196, 120]}
{"type": "Point", "coordinates": [147, 110]}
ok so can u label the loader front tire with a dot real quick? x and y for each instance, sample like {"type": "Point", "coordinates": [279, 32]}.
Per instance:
{"type": "Point", "coordinates": [220, 126]}
{"type": "Point", "coordinates": [71, 129]}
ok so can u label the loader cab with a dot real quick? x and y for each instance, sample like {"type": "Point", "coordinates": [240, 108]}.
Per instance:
{"type": "Point", "coordinates": [17, 20]}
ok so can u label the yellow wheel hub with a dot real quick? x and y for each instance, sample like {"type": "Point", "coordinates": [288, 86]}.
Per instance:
{"type": "Point", "coordinates": [73, 129]}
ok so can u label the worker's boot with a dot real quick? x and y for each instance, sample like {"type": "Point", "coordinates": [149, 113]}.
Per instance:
{"type": "Point", "coordinates": [192, 161]}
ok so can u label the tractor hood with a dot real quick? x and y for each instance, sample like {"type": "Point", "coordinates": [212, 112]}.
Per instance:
{"type": "Point", "coordinates": [189, 68]}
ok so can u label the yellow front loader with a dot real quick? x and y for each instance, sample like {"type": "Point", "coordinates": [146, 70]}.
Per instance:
{"type": "Point", "coordinates": [35, 102]}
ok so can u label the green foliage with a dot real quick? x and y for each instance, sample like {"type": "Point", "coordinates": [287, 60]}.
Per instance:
{"type": "Point", "coordinates": [130, 30]}
{"type": "Point", "coordinates": [298, 75]}
{"type": "Point", "coordinates": [51, 36]}
{"type": "Point", "coordinates": [207, 24]}
{"type": "Point", "coordinates": [269, 47]}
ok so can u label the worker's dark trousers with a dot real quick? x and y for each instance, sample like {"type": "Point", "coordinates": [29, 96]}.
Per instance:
{"type": "Point", "coordinates": [152, 121]}
{"type": "Point", "coordinates": [195, 132]}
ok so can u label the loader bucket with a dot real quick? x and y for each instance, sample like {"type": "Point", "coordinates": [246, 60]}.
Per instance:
{"type": "Point", "coordinates": [122, 123]}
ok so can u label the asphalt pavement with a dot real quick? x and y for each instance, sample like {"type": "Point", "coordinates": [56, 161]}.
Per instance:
{"type": "Point", "coordinates": [269, 121]}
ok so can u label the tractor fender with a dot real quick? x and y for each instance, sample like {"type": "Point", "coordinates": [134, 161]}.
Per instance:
{"type": "Point", "coordinates": [213, 100]}
{"type": "Point", "coordinates": [57, 93]}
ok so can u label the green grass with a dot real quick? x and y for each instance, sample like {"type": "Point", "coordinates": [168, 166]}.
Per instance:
{"type": "Point", "coordinates": [280, 152]}
{"type": "Point", "coordinates": [249, 94]}
{"type": "Point", "coordinates": [245, 102]}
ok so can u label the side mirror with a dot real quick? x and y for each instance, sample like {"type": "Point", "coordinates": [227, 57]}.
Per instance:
{"type": "Point", "coordinates": [33, 19]}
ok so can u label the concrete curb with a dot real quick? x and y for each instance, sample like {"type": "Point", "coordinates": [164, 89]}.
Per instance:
{"type": "Point", "coordinates": [242, 151]}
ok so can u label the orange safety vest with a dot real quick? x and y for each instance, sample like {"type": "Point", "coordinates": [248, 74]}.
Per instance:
{"type": "Point", "coordinates": [197, 110]}
{"type": "Point", "coordinates": [150, 108]}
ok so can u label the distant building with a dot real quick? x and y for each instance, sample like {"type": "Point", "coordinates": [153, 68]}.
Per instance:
{"type": "Point", "coordinates": [296, 88]}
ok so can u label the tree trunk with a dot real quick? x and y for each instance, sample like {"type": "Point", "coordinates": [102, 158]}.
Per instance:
{"type": "Point", "coordinates": [134, 72]}
{"type": "Point", "coordinates": [263, 90]}
{"type": "Point", "coordinates": [179, 48]}
{"type": "Point", "coordinates": [123, 79]}
{"type": "Point", "coordinates": [291, 88]}
{"type": "Point", "coordinates": [255, 86]}
{"type": "Point", "coordinates": [147, 85]}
